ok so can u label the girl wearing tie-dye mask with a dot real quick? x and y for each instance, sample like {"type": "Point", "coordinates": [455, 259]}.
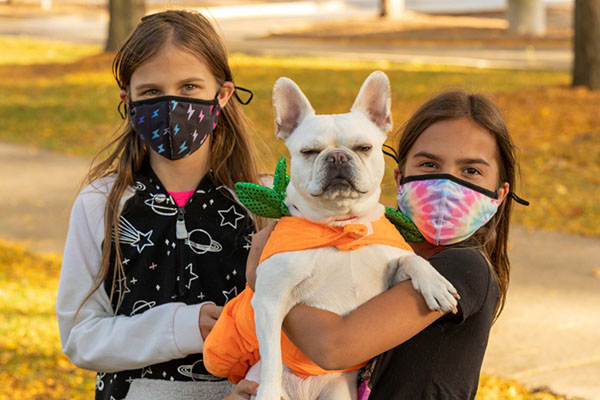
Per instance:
{"type": "Point", "coordinates": [157, 242]}
{"type": "Point", "coordinates": [455, 176]}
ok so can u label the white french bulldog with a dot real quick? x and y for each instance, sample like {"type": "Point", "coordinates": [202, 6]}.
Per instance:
{"type": "Point", "coordinates": [336, 170]}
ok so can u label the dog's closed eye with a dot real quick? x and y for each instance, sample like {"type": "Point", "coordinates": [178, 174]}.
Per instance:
{"type": "Point", "coordinates": [363, 148]}
{"type": "Point", "coordinates": [310, 152]}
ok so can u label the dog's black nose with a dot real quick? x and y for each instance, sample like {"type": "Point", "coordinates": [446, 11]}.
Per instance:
{"type": "Point", "coordinates": [337, 157]}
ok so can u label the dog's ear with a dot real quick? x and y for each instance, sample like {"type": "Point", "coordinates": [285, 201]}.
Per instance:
{"type": "Point", "coordinates": [374, 100]}
{"type": "Point", "coordinates": [291, 107]}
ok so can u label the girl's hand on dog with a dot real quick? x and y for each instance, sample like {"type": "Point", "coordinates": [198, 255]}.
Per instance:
{"type": "Point", "coordinates": [209, 313]}
{"type": "Point", "coordinates": [243, 390]}
{"type": "Point", "coordinates": [259, 240]}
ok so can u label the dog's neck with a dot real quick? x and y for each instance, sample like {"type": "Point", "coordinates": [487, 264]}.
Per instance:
{"type": "Point", "coordinates": [339, 212]}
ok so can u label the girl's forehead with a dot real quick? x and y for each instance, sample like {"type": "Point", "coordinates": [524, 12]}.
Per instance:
{"type": "Point", "coordinates": [456, 139]}
{"type": "Point", "coordinates": [172, 61]}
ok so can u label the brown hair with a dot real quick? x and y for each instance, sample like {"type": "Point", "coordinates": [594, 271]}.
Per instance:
{"type": "Point", "coordinates": [492, 238]}
{"type": "Point", "coordinates": [232, 156]}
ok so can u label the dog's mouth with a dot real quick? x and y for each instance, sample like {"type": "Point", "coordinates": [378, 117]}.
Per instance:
{"type": "Point", "coordinates": [338, 177]}
{"type": "Point", "coordinates": [339, 186]}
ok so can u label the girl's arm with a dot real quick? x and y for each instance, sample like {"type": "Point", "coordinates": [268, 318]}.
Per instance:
{"type": "Point", "coordinates": [335, 342]}
{"type": "Point", "coordinates": [96, 339]}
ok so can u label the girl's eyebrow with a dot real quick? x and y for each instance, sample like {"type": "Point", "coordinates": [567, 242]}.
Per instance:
{"type": "Point", "coordinates": [427, 155]}
{"type": "Point", "coordinates": [472, 161]}
{"type": "Point", "coordinates": [145, 86]}
{"type": "Point", "coordinates": [153, 85]}
{"type": "Point", "coordinates": [193, 79]}
{"type": "Point", "coordinates": [460, 161]}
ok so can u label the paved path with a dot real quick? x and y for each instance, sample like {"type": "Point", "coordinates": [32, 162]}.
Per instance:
{"type": "Point", "coordinates": [39, 187]}
{"type": "Point", "coordinates": [244, 25]}
{"type": "Point", "coordinates": [549, 332]}
{"type": "Point", "coordinates": [547, 335]}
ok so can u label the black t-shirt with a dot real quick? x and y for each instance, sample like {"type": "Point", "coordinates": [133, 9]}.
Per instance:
{"type": "Point", "coordinates": [444, 360]}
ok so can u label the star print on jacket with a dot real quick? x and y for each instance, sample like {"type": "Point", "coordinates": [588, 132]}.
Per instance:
{"type": "Point", "coordinates": [131, 236]}
{"type": "Point", "coordinates": [193, 276]}
{"type": "Point", "coordinates": [230, 217]}
{"type": "Point", "coordinates": [204, 259]}
{"type": "Point", "coordinates": [230, 294]}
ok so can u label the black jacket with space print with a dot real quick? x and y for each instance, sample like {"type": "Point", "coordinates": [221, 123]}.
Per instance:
{"type": "Point", "coordinates": [188, 254]}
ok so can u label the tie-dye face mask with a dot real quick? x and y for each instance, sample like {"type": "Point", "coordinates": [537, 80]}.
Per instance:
{"type": "Point", "coordinates": [173, 126]}
{"type": "Point", "coordinates": [445, 209]}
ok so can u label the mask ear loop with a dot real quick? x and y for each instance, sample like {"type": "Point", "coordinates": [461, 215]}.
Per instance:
{"type": "Point", "coordinates": [391, 153]}
{"type": "Point", "coordinates": [518, 199]}
{"type": "Point", "coordinates": [243, 90]}
{"type": "Point", "coordinates": [124, 112]}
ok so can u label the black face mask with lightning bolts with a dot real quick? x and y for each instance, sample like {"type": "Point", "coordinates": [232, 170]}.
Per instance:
{"type": "Point", "coordinates": [174, 126]}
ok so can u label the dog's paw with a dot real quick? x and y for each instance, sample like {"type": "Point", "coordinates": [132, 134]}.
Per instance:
{"type": "Point", "coordinates": [438, 292]}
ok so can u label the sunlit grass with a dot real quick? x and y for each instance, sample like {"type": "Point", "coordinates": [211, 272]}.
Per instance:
{"type": "Point", "coordinates": [492, 388]}
{"type": "Point", "coordinates": [73, 108]}
{"type": "Point", "coordinates": [23, 50]}
{"type": "Point", "coordinates": [32, 363]}
{"type": "Point", "coordinates": [33, 366]}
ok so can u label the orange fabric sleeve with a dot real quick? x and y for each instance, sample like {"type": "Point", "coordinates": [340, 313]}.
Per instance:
{"type": "Point", "coordinates": [231, 348]}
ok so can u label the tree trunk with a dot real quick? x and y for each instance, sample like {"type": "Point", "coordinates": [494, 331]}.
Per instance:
{"type": "Point", "coordinates": [527, 17]}
{"type": "Point", "coordinates": [586, 44]}
{"type": "Point", "coordinates": [124, 17]}
{"type": "Point", "coordinates": [391, 8]}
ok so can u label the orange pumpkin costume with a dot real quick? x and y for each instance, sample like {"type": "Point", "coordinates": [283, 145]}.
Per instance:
{"type": "Point", "coordinates": [232, 347]}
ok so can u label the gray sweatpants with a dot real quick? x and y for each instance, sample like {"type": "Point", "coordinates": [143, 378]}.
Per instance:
{"type": "Point", "coordinates": [156, 389]}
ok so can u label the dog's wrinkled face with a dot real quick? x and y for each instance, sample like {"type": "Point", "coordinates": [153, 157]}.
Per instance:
{"type": "Point", "coordinates": [336, 156]}
{"type": "Point", "coordinates": [337, 163]}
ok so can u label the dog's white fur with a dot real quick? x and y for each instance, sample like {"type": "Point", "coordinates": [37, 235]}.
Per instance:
{"type": "Point", "coordinates": [336, 170]}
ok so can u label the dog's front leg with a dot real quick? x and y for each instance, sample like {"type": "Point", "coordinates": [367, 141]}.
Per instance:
{"type": "Point", "coordinates": [439, 294]}
{"type": "Point", "coordinates": [272, 300]}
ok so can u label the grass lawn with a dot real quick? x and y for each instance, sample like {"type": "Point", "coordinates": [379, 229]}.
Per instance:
{"type": "Point", "coordinates": [71, 107]}
{"type": "Point", "coordinates": [22, 50]}
{"type": "Point", "coordinates": [33, 365]}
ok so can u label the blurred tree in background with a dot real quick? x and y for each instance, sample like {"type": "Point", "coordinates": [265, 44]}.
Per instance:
{"type": "Point", "coordinates": [124, 16]}
{"type": "Point", "coordinates": [586, 44]}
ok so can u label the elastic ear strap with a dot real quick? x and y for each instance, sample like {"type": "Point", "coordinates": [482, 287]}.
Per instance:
{"type": "Point", "coordinates": [518, 199]}
{"type": "Point", "coordinates": [122, 113]}
{"type": "Point", "coordinates": [243, 90]}
{"type": "Point", "coordinates": [392, 153]}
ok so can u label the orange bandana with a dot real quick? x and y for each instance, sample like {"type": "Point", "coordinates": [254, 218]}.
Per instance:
{"type": "Point", "coordinates": [232, 348]}
{"type": "Point", "coordinates": [293, 233]}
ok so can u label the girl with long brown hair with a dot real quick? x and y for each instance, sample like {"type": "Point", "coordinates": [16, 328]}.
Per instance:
{"type": "Point", "coordinates": [456, 169]}
{"type": "Point", "coordinates": [157, 242]}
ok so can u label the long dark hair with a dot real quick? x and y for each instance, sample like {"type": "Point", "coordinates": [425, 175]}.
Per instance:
{"type": "Point", "coordinates": [232, 155]}
{"type": "Point", "coordinates": [492, 238]}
